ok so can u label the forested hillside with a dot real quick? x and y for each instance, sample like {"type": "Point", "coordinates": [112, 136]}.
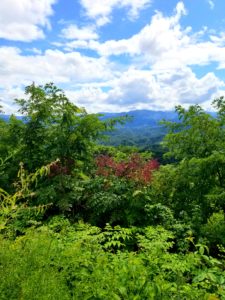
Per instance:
{"type": "Point", "coordinates": [144, 129]}
{"type": "Point", "coordinates": [80, 219]}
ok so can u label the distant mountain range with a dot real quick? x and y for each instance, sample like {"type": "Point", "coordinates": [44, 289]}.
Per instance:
{"type": "Point", "coordinates": [143, 118]}
{"type": "Point", "coordinates": [6, 117]}
{"type": "Point", "coordinates": [142, 129]}
{"type": "Point", "coordinates": [138, 118]}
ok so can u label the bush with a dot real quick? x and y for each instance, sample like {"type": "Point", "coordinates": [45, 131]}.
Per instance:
{"type": "Point", "coordinates": [214, 230]}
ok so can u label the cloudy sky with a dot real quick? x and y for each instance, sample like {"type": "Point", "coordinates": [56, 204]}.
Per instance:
{"type": "Point", "coordinates": [114, 55]}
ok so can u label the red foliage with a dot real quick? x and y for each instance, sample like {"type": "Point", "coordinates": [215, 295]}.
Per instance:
{"type": "Point", "coordinates": [135, 168]}
{"type": "Point", "coordinates": [57, 168]}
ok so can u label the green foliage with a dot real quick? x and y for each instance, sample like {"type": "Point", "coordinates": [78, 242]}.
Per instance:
{"type": "Point", "coordinates": [159, 214]}
{"type": "Point", "coordinates": [68, 232]}
{"type": "Point", "coordinates": [197, 134]}
{"type": "Point", "coordinates": [55, 127]}
{"type": "Point", "coordinates": [214, 229]}
{"type": "Point", "coordinates": [60, 261]}
{"type": "Point", "coordinates": [10, 147]}
{"type": "Point", "coordinates": [16, 210]}
{"type": "Point", "coordinates": [116, 201]}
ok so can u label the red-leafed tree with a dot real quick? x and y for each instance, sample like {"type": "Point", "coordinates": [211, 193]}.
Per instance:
{"type": "Point", "coordinates": [135, 168]}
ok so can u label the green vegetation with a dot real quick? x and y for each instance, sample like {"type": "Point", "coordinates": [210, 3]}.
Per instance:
{"type": "Point", "coordinates": [79, 220]}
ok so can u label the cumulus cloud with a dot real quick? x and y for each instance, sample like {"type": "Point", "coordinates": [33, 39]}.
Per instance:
{"type": "Point", "coordinates": [151, 89]}
{"type": "Point", "coordinates": [18, 70]}
{"type": "Point", "coordinates": [52, 65]}
{"type": "Point", "coordinates": [74, 32]}
{"type": "Point", "coordinates": [7, 97]}
{"type": "Point", "coordinates": [91, 97]}
{"type": "Point", "coordinates": [218, 40]}
{"type": "Point", "coordinates": [211, 4]}
{"type": "Point", "coordinates": [24, 20]}
{"type": "Point", "coordinates": [164, 44]}
{"type": "Point", "coordinates": [148, 89]}
{"type": "Point", "coordinates": [159, 74]}
{"type": "Point", "coordinates": [96, 85]}
{"type": "Point", "coordinates": [101, 12]}
{"type": "Point", "coordinates": [161, 35]}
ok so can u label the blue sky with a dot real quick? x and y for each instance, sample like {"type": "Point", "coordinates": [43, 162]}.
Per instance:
{"type": "Point", "coordinates": [114, 55]}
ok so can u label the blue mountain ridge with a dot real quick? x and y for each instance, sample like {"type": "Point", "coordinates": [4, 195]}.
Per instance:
{"type": "Point", "coordinates": [143, 128]}
{"type": "Point", "coordinates": [142, 118]}
{"type": "Point", "coordinates": [137, 118]}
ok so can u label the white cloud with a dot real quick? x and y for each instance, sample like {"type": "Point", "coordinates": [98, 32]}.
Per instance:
{"type": "Point", "coordinates": [90, 97]}
{"type": "Point", "coordinates": [96, 85]}
{"type": "Point", "coordinates": [7, 96]}
{"type": "Point", "coordinates": [162, 34]}
{"type": "Point", "coordinates": [146, 89]}
{"type": "Point", "coordinates": [73, 32]}
{"type": "Point", "coordinates": [157, 90]}
{"type": "Point", "coordinates": [53, 65]}
{"type": "Point", "coordinates": [69, 69]}
{"type": "Point", "coordinates": [211, 4]}
{"type": "Point", "coordinates": [218, 40]}
{"type": "Point", "coordinates": [163, 44]}
{"type": "Point", "coordinates": [101, 11]}
{"type": "Point", "coordinates": [158, 75]}
{"type": "Point", "coordinates": [24, 20]}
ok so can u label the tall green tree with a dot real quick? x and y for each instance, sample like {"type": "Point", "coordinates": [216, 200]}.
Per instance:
{"type": "Point", "coordinates": [55, 127]}
{"type": "Point", "coordinates": [197, 134]}
{"type": "Point", "coordinates": [11, 133]}
{"type": "Point", "coordinates": [198, 179]}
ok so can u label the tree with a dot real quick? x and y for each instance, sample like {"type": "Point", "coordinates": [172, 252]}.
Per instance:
{"type": "Point", "coordinates": [11, 132]}
{"type": "Point", "coordinates": [197, 134]}
{"type": "Point", "coordinates": [55, 128]}
{"type": "Point", "coordinates": [197, 143]}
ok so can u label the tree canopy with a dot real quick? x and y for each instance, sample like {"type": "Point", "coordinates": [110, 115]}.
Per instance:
{"type": "Point", "coordinates": [81, 220]}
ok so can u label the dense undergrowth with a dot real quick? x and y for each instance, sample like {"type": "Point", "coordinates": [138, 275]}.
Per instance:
{"type": "Point", "coordinates": [83, 221]}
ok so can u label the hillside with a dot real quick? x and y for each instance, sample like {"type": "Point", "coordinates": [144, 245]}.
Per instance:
{"type": "Point", "coordinates": [142, 128]}
{"type": "Point", "coordinates": [143, 118]}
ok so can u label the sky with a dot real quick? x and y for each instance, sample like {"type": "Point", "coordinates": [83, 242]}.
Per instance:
{"type": "Point", "coordinates": [114, 55]}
